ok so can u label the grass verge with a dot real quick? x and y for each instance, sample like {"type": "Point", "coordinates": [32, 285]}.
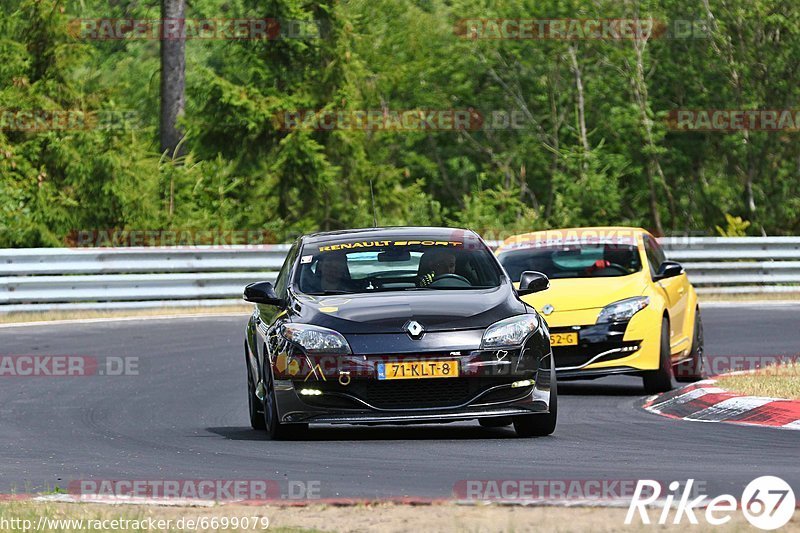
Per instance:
{"type": "Point", "coordinates": [778, 381]}
{"type": "Point", "coordinates": [48, 316]}
{"type": "Point", "coordinates": [378, 517]}
{"type": "Point", "coordinates": [750, 297]}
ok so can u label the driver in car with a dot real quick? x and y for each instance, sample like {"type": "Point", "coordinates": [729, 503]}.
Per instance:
{"type": "Point", "coordinates": [435, 263]}
{"type": "Point", "coordinates": [333, 274]}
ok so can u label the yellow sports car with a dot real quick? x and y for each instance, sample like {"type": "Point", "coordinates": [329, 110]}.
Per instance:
{"type": "Point", "coordinates": [615, 304]}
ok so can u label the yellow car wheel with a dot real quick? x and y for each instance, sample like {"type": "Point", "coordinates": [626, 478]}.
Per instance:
{"type": "Point", "coordinates": [660, 380]}
{"type": "Point", "coordinates": [694, 369]}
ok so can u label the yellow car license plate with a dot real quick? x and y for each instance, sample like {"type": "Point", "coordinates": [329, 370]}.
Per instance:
{"type": "Point", "coordinates": [563, 339]}
{"type": "Point", "coordinates": [418, 370]}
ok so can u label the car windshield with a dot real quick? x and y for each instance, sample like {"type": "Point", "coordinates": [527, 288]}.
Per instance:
{"type": "Point", "coordinates": [393, 265]}
{"type": "Point", "coordinates": [573, 260]}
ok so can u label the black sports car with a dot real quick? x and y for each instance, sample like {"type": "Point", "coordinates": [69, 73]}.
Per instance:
{"type": "Point", "coordinates": [397, 325]}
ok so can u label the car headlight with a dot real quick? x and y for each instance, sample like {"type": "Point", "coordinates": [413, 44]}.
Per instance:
{"type": "Point", "coordinates": [510, 332]}
{"type": "Point", "coordinates": [623, 309]}
{"type": "Point", "coordinates": [314, 339]}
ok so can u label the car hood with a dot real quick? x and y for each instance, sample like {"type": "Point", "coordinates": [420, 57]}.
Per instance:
{"type": "Point", "coordinates": [575, 294]}
{"type": "Point", "coordinates": [389, 312]}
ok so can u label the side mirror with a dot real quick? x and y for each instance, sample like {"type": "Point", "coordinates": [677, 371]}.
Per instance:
{"type": "Point", "coordinates": [531, 281]}
{"type": "Point", "coordinates": [668, 269]}
{"type": "Point", "coordinates": [262, 292]}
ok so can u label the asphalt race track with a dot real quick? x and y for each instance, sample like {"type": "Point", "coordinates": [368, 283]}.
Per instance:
{"type": "Point", "coordinates": [184, 416]}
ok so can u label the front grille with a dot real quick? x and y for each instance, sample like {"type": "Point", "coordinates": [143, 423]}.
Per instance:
{"type": "Point", "coordinates": [329, 401]}
{"type": "Point", "coordinates": [397, 394]}
{"type": "Point", "coordinates": [409, 393]}
{"type": "Point", "coordinates": [593, 339]}
{"type": "Point", "coordinates": [571, 356]}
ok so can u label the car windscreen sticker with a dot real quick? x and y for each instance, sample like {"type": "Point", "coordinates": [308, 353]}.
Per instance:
{"type": "Point", "coordinates": [306, 259]}
{"type": "Point", "coordinates": [374, 244]}
{"type": "Point", "coordinates": [334, 302]}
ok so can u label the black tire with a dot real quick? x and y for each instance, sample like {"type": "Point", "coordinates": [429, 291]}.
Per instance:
{"type": "Point", "coordinates": [660, 380]}
{"type": "Point", "coordinates": [253, 403]}
{"type": "Point", "coordinates": [495, 421]}
{"type": "Point", "coordinates": [540, 425]}
{"type": "Point", "coordinates": [276, 430]}
{"type": "Point", "coordinates": [693, 369]}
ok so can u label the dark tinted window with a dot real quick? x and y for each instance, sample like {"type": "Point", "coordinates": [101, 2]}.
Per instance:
{"type": "Point", "coordinates": [282, 281]}
{"type": "Point", "coordinates": [372, 266]}
{"type": "Point", "coordinates": [573, 260]}
{"type": "Point", "coordinates": [655, 254]}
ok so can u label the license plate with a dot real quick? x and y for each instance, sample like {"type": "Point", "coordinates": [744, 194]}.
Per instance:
{"type": "Point", "coordinates": [563, 339]}
{"type": "Point", "coordinates": [418, 370]}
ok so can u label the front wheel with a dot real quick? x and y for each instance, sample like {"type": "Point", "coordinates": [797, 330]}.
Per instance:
{"type": "Point", "coordinates": [275, 429]}
{"type": "Point", "coordinates": [253, 403]}
{"type": "Point", "coordinates": [540, 425]}
{"type": "Point", "coordinates": [660, 380]}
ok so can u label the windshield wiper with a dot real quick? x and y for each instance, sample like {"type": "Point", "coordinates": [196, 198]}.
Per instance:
{"type": "Point", "coordinates": [396, 289]}
{"type": "Point", "coordinates": [328, 293]}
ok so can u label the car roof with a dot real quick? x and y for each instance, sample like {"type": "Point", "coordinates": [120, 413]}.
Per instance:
{"type": "Point", "coordinates": [420, 232]}
{"type": "Point", "coordinates": [563, 233]}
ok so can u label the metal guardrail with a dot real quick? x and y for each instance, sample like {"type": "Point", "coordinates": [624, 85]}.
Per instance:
{"type": "Point", "coordinates": [738, 265]}
{"type": "Point", "coordinates": [117, 278]}
{"type": "Point", "coordinates": [108, 278]}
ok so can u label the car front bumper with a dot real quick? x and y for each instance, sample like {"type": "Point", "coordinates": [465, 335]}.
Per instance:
{"type": "Point", "coordinates": [334, 406]}
{"type": "Point", "coordinates": [346, 389]}
{"type": "Point", "coordinates": [628, 347]}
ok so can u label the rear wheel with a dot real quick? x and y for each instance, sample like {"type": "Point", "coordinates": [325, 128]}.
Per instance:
{"type": "Point", "coordinates": [540, 425]}
{"type": "Point", "coordinates": [660, 380]}
{"type": "Point", "coordinates": [693, 369]}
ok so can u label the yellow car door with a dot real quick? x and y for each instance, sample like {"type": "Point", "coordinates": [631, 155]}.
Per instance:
{"type": "Point", "coordinates": [676, 291]}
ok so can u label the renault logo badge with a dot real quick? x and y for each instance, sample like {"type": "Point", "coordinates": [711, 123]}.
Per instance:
{"type": "Point", "coordinates": [414, 329]}
{"type": "Point", "coordinates": [547, 309]}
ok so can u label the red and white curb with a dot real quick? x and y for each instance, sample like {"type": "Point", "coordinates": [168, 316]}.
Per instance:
{"type": "Point", "coordinates": [704, 402]}
{"type": "Point", "coordinates": [331, 502]}
{"type": "Point", "coordinates": [199, 502]}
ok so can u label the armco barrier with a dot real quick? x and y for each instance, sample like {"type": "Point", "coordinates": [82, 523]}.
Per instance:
{"type": "Point", "coordinates": [738, 265]}
{"type": "Point", "coordinates": [107, 278]}
{"type": "Point", "coordinates": [114, 278]}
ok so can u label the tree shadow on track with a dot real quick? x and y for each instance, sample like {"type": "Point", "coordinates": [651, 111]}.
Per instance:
{"type": "Point", "coordinates": [463, 431]}
{"type": "Point", "coordinates": [238, 433]}
{"type": "Point", "coordinates": [608, 386]}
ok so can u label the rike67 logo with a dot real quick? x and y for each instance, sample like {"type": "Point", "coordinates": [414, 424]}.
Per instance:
{"type": "Point", "coordinates": [768, 502]}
